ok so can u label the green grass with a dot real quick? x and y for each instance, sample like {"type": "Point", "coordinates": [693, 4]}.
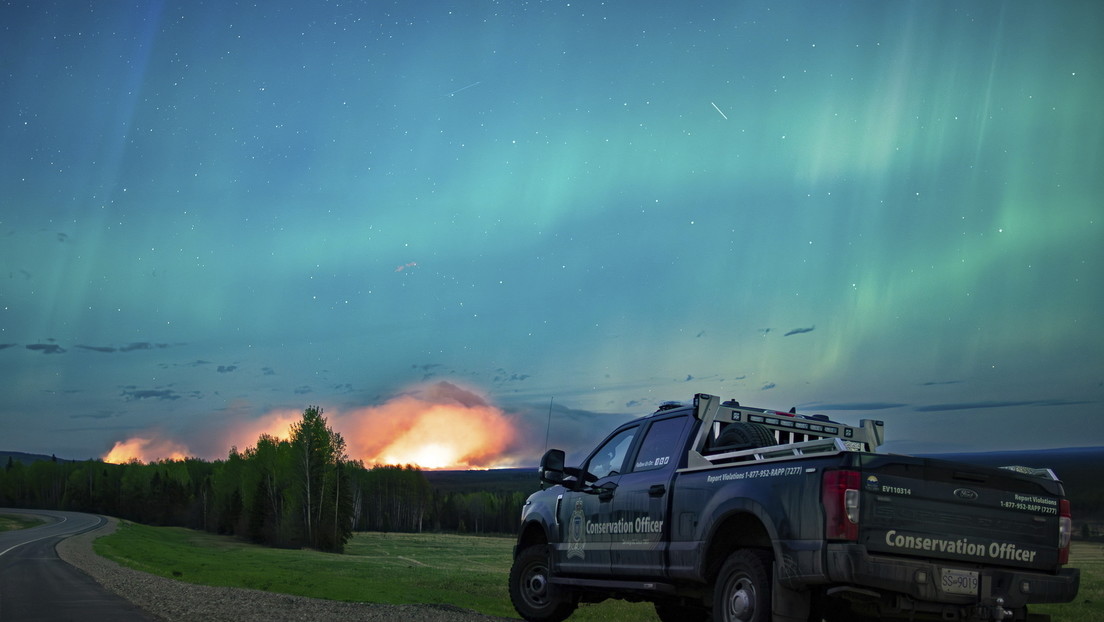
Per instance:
{"type": "Point", "coordinates": [1089, 604]}
{"type": "Point", "coordinates": [464, 571]}
{"type": "Point", "coordinates": [11, 522]}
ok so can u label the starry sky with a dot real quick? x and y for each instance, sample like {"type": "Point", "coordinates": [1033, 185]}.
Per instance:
{"type": "Point", "coordinates": [215, 211]}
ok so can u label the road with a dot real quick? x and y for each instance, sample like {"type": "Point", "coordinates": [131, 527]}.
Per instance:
{"type": "Point", "coordinates": [35, 584]}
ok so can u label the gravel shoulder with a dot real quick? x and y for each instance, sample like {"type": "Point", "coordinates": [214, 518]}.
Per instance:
{"type": "Point", "coordinates": [177, 601]}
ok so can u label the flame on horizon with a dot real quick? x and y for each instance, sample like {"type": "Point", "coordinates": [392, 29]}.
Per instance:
{"type": "Point", "coordinates": [145, 450]}
{"type": "Point", "coordinates": [440, 426]}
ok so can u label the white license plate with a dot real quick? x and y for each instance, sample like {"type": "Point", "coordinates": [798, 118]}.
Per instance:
{"type": "Point", "coordinates": [959, 581]}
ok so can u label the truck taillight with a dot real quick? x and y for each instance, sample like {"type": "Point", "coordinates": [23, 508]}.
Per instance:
{"type": "Point", "coordinates": [1065, 530]}
{"type": "Point", "coordinates": [839, 494]}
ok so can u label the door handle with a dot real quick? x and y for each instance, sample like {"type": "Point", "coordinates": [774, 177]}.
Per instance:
{"type": "Point", "coordinates": [605, 491]}
{"type": "Point", "coordinates": [657, 490]}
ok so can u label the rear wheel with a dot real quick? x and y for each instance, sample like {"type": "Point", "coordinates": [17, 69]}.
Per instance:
{"type": "Point", "coordinates": [531, 590]}
{"type": "Point", "coordinates": [742, 591]}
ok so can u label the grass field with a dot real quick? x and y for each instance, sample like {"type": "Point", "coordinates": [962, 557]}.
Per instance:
{"type": "Point", "coordinates": [9, 522]}
{"type": "Point", "coordinates": [465, 571]}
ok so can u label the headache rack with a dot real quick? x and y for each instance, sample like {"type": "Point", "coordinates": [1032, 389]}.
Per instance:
{"type": "Point", "coordinates": [793, 434]}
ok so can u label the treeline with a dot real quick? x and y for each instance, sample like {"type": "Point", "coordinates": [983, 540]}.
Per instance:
{"type": "Point", "coordinates": [300, 492]}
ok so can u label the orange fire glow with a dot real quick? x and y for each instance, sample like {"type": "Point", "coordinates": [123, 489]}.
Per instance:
{"type": "Point", "coordinates": [432, 430]}
{"type": "Point", "coordinates": [440, 426]}
{"type": "Point", "coordinates": [145, 450]}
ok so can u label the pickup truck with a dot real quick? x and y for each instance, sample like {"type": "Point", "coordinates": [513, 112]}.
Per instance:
{"type": "Point", "coordinates": [716, 511]}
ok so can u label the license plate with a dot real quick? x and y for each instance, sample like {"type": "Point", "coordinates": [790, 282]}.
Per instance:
{"type": "Point", "coordinates": [959, 581]}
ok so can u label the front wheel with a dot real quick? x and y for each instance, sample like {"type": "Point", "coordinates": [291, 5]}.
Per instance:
{"type": "Point", "coordinates": [742, 592]}
{"type": "Point", "coordinates": [531, 590]}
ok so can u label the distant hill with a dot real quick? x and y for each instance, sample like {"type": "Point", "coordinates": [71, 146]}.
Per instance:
{"type": "Point", "coordinates": [25, 458]}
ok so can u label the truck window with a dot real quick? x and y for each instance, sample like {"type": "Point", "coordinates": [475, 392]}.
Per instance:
{"type": "Point", "coordinates": [609, 459]}
{"type": "Point", "coordinates": [659, 445]}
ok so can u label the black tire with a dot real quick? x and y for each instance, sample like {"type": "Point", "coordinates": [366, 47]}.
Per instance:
{"type": "Point", "coordinates": [674, 612]}
{"type": "Point", "coordinates": [532, 593]}
{"type": "Point", "coordinates": [745, 436]}
{"type": "Point", "coordinates": [742, 591]}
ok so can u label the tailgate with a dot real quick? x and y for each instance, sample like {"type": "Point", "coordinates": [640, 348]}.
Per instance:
{"type": "Point", "coordinates": [936, 509]}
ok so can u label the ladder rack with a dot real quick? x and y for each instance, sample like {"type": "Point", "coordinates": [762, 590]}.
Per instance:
{"type": "Point", "coordinates": [794, 434]}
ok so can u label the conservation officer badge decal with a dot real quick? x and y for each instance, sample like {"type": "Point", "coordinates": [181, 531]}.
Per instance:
{"type": "Point", "coordinates": [576, 532]}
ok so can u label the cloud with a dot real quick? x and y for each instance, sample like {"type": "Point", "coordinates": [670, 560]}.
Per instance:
{"type": "Point", "coordinates": [768, 386]}
{"type": "Point", "coordinates": [939, 382]}
{"type": "Point", "coordinates": [855, 406]}
{"type": "Point", "coordinates": [131, 393]}
{"type": "Point", "coordinates": [302, 390]}
{"type": "Point", "coordinates": [226, 369]}
{"type": "Point", "coordinates": [5, 346]}
{"type": "Point", "coordinates": [268, 371]}
{"type": "Point", "coordinates": [142, 345]}
{"type": "Point", "coordinates": [995, 404]}
{"type": "Point", "coordinates": [798, 331]}
{"type": "Point", "coordinates": [96, 348]}
{"type": "Point", "coordinates": [46, 348]}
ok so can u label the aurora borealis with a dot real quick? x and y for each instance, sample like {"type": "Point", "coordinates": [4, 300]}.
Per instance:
{"type": "Point", "coordinates": [215, 211]}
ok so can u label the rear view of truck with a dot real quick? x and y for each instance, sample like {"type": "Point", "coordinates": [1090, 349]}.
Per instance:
{"type": "Point", "coordinates": [914, 536]}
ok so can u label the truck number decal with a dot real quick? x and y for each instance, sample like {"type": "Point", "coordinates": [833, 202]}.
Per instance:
{"type": "Point", "coordinates": [654, 463]}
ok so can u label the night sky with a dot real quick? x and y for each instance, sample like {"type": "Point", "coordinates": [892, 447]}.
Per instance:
{"type": "Point", "coordinates": [214, 212]}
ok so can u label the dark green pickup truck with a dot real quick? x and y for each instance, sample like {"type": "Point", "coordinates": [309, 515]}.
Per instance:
{"type": "Point", "coordinates": [715, 511]}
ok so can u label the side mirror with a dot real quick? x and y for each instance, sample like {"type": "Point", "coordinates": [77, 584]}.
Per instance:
{"type": "Point", "coordinates": [552, 466]}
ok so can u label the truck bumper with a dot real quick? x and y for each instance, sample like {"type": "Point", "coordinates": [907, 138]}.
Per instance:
{"type": "Point", "coordinates": [850, 564]}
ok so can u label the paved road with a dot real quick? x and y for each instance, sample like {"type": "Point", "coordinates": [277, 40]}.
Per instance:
{"type": "Point", "coordinates": [35, 584]}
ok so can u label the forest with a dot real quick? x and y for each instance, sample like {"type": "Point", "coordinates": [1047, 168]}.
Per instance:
{"type": "Point", "coordinates": [299, 492]}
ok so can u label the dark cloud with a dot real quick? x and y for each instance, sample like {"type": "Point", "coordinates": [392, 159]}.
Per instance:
{"type": "Point", "coordinates": [940, 382]}
{"type": "Point", "coordinates": [142, 345]}
{"type": "Point", "coordinates": [5, 346]}
{"type": "Point", "coordinates": [268, 371]}
{"type": "Point", "coordinates": [768, 386]}
{"type": "Point", "coordinates": [856, 406]}
{"type": "Point", "coordinates": [798, 331]}
{"type": "Point", "coordinates": [96, 348]}
{"type": "Point", "coordinates": [61, 237]}
{"type": "Point", "coordinates": [343, 388]}
{"type": "Point", "coordinates": [130, 394]}
{"type": "Point", "coordinates": [46, 348]}
{"type": "Point", "coordinates": [303, 390]}
{"type": "Point", "coordinates": [226, 369]}
{"type": "Point", "coordinates": [995, 404]}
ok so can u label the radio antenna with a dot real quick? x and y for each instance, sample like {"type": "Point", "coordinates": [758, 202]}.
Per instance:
{"type": "Point", "coordinates": [548, 427]}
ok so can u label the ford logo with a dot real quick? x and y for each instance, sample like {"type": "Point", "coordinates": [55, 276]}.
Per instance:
{"type": "Point", "coordinates": [966, 494]}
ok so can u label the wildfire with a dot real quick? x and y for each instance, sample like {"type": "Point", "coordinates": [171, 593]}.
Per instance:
{"type": "Point", "coordinates": [444, 427]}
{"type": "Point", "coordinates": [439, 426]}
{"type": "Point", "coordinates": [145, 450]}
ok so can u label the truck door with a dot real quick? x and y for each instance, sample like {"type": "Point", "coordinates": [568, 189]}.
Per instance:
{"type": "Point", "coordinates": [641, 501]}
{"type": "Point", "coordinates": [584, 515]}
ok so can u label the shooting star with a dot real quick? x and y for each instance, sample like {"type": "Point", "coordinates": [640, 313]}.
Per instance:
{"type": "Point", "coordinates": [719, 111]}
{"type": "Point", "coordinates": [464, 88]}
